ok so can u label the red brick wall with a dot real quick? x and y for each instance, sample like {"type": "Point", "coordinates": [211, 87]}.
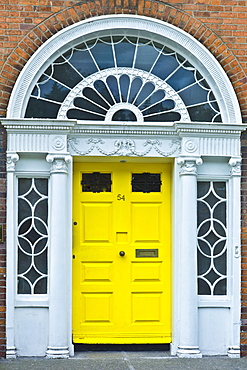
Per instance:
{"type": "Point", "coordinates": [218, 24]}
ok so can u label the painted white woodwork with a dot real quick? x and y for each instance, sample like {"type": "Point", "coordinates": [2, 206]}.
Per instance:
{"type": "Point", "coordinates": [234, 254]}
{"type": "Point", "coordinates": [188, 345]}
{"type": "Point", "coordinates": [58, 346]}
{"type": "Point", "coordinates": [214, 323]}
{"type": "Point", "coordinates": [32, 328]}
{"type": "Point", "coordinates": [34, 140]}
{"type": "Point", "coordinates": [146, 142]}
{"type": "Point", "coordinates": [12, 158]}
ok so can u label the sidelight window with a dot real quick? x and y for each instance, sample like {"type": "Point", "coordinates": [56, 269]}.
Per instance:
{"type": "Point", "coordinates": [32, 236]}
{"type": "Point", "coordinates": [212, 238]}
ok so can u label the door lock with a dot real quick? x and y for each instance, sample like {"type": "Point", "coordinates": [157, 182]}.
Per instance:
{"type": "Point", "coordinates": [122, 253]}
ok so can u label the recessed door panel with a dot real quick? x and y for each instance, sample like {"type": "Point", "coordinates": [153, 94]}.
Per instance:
{"type": "Point", "coordinates": [121, 249]}
{"type": "Point", "coordinates": [146, 222]}
{"type": "Point", "coordinates": [147, 307]}
{"type": "Point", "coordinates": [147, 272]}
{"type": "Point", "coordinates": [97, 219]}
{"type": "Point", "coordinates": [97, 272]}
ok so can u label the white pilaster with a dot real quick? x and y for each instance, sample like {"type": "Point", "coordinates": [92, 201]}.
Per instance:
{"type": "Point", "coordinates": [58, 346]}
{"type": "Point", "coordinates": [188, 345]}
{"type": "Point", "coordinates": [12, 158]}
{"type": "Point", "coordinates": [234, 254]}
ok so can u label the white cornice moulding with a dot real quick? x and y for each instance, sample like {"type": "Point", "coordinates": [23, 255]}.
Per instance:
{"type": "Point", "coordinates": [114, 138]}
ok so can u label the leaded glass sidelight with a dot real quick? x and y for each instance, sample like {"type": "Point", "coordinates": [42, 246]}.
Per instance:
{"type": "Point", "coordinates": [123, 78]}
{"type": "Point", "coordinates": [212, 238]}
{"type": "Point", "coordinates": [32, 235]}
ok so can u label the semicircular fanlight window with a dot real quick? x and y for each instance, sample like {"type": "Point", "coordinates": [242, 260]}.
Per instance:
{"type": "Point", "coordinates": [123, 78]}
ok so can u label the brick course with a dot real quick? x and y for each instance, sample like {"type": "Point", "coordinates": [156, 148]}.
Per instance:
{"type": "Point", "coordinates": [220, 25]}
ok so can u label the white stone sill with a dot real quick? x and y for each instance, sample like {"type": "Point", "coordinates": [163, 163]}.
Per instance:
{"type": "Point", "coordinates": [216, 301]}
{"type": "Point", "coordinates": [32, 301]}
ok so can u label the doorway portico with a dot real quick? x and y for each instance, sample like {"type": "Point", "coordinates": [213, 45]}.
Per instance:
{"type": "Point", "coordinates": [89, 125]}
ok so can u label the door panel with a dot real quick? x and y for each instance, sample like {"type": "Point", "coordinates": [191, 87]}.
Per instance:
{"type": "Point", "coordinates": [121, 299]}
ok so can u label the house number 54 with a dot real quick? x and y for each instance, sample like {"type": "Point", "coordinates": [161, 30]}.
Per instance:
{"type": "Point", "coordinates": [120, 197]}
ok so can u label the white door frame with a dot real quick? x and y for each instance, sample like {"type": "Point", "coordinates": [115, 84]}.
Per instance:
{"type": "Point", "coordinates": [188, 144]}
{"type": "Point", "coordinates": [46, 147]}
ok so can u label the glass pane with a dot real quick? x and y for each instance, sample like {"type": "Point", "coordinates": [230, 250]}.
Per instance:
{"type": "Point", "coordinates": [124, 115]}
{"type": "Point", "coordinates": [24, 186]}
{"type": "Point", "coordinates": [40, 286]}
{"type": "Point", "coordinates": [84, 115]}
{"type": "Point", "coordinates": [146, 56]}
{"type": "Point", "coordinates": [103, 56]}
{"type": "Point", "coordinates": [96, 182]}
{"type": "Point", "coordinates": [86, 105]}
{"type": "Point", "coordinates": [64, 73]}
{"type": "Point", "coordinates": [82, 62]}
{"type": "Point", "coordinates": [38, 108]}
{"type": "Point", "coordinates": [41, 186]}
{"type": "Point", "coordinates": [95, 97]}
{"type": "Point", "coordinates": [124, 53]}
{"type": "Point", "coordinates": [23, 287]}
{"type": "Point", "coordinates": [220, 288]}
{"type": "Point", "coordinates": [203, 287]}
{"type": "Point", "coordinates": [146, 182]}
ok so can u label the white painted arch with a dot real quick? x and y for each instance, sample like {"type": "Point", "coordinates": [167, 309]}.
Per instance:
{"type": "Point", "coordinates": [174, 37]}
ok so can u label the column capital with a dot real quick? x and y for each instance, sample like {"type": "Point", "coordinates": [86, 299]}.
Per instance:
{"type": "Point", "coordinates": [12, 158]}
{"type": "Point", "coordinates": [188, 165]}
{"type": "Point", "coordinates": [235, 163]}
{"type": "Point", "coordinates": [59, 163]}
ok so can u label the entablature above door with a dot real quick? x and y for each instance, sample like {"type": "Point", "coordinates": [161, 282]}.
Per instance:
{"type": "Point", "coordinates": [84, 138]}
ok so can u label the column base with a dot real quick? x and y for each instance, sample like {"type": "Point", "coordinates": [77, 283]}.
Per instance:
{"type": "Point", "coordinates": [189, 352]}
{"type": "Point", "coordinates": [234, 352]}
{"type": "Point", "coordinates": [57, 352]}
{"type": "Point", "coordinates": [10, 352]}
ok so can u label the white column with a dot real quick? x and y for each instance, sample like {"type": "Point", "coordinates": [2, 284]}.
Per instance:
{"type": "Point", "coordinates": [188, 345]}
{"type": "Point", "coordinates": [12, 158]}
{"type": "Point", "coordinates": [58, 346]}
{"type": "Point", "coordinates": [234, 254]}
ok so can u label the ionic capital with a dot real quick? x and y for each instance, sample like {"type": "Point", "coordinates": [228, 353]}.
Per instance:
{"type": "Point", "coordinates": [188, 165]}
{"type": "Point", "coordinates": [12, 158]}
{"type": "Point", "coordinates": [235, 163]}
{"type": "Point", "coordinates": [59, 163]}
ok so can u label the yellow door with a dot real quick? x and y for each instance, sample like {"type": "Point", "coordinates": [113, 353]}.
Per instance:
{"type": "Point", "coordinates": [121, 253]}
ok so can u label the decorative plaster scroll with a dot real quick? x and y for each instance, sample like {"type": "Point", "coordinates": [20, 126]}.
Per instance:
{"type": "Point", "coordinates": [12, 158]}
{"type": "Point", "coordinates": [59, 163]}
{"type": "Point", "coordinates": [235, 163]}
{"type": "Point", "coordinates": [189, 165]}
{"type": "Point", "coordinates": [124, 147]}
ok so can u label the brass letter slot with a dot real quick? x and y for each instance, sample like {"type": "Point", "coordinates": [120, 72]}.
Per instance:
{"type": "Point", "coordinates": [147, 253]}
